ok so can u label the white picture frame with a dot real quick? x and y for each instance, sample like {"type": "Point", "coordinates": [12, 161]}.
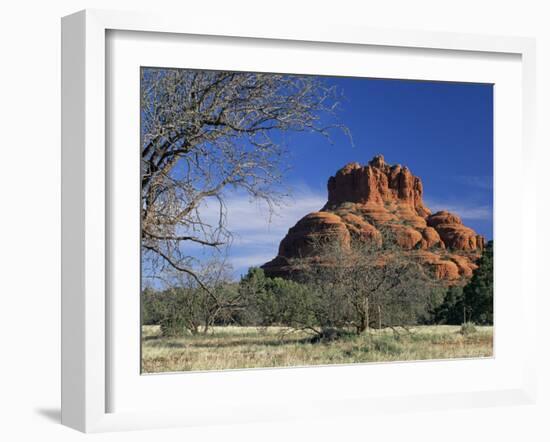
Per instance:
{"type": "Point", "coordinates": [86, 356]}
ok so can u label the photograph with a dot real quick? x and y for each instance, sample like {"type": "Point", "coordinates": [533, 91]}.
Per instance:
{"type": "Point", "coordinates": [292, 220]}
{"type": "Point", "coordinates": [247, 222]}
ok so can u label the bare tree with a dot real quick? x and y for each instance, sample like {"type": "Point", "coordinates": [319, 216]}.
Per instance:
{"type": "Point", "coordinates": [204, 132]}
{"type": "Point", "coordinates": [195, 303]}
{"type": "Point", "coordinates": [364, 283]}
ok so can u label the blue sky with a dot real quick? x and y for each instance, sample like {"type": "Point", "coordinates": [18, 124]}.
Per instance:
{"type": "Point", "coordinates": [442, 131]}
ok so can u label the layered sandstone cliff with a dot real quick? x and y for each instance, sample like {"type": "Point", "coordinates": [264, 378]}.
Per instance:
{"type": "Point", "coordinates": [363, 200]}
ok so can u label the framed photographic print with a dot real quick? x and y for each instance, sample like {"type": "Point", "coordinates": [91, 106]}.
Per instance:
{"type": "Point", "coordinates": [247, 262]}
{"type": "Point", "coordinates": [291, 218]}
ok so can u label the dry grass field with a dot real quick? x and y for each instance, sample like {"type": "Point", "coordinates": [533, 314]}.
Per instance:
{"type": "Point", "coordinates": [251, 347]}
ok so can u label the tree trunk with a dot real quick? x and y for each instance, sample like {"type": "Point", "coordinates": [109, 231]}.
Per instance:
{"type": "Point", "coordinates": [367, 313]}
{"type": "Point", "coordinates": [364, 318]}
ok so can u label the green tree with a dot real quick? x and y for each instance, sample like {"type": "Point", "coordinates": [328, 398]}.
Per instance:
{"type": "Point", "coordinates": [273, 301]}
{"type": "Point", "coordinates": [364, 284]}
{"type": "Point", "coordinates": [473, 302]}
{"type": "Point", "coordinates": [435, 299]}
{"type": "Point", "coordinates": [153, 306]}
{"type": "Point", "coordinates": [478, 293]}
{"type": "Point", "coordinates": [451, 310]}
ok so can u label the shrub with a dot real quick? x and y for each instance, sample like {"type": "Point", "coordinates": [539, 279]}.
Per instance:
{"type": "Point", "coordinates": [468, 328]}
{"type": "Point", "coordinates": [184, 310]}
{"type": "Point", "coordinates": [278, 301]}
{"type": "Point", "coordinates": [153, 307]}
{"type": "Point", "coordinates": [173, 326]}
{"type": "Point", "coordinates": [387, 345]}
{"type": "Point", "coordinates": [435, 301]}
{"type": "Point", "coordinates": [330, 334]}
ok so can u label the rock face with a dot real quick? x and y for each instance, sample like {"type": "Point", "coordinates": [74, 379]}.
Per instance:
{"type": "Point", "coordinates": [363, 200]}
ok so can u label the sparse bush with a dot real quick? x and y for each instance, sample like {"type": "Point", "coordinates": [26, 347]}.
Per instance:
{"type": "Point", "coordinates": [183, 311]}
{"type": "Point", "coordinates": [368, 285]}
{"type": "Point", "coordinates": [190, 306]}
{"type": "Point", "coordinates": [363, 285]}
{"type": "Point", "coordinates": [330, 334]}
{"type": "Point", "coordinates": [388, 345]}
{"type": "Point", "coordinates": [468, 328]}
{"type": "Point", "coordinates": [173, 326]}
{"type": "Point", "coordinates": [188, 310]}
{"type": "Point", "coordinates": [278, 301]}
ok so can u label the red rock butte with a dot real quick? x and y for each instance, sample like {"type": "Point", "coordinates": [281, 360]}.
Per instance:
{"type": "Point", "coordinates": [362, 200]}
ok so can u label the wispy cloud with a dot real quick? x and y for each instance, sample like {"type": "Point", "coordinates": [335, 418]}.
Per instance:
{"type": "Point", "coordinates": [466, 210]}
{"type": "Point", "coordinates": [256, 231]}
{"type": "Point", "coordinates": [484, 182]}
{"type": "Point", "coordinates": [246, 261]}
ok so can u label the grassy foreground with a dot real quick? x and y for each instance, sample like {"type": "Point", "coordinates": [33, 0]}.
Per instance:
{"type": "Point", "coordinates": [251, 347]}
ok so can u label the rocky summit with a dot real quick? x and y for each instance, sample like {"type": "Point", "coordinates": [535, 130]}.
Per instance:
{"type": "Point", "coordinates": [363, 200]}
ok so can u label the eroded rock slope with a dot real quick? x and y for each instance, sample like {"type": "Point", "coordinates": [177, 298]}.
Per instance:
{"type": "Point", "coordinates": [363, 201]}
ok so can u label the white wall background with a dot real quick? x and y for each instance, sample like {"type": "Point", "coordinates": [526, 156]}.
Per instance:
{"type": "Point", "coordinates": [30, 215]}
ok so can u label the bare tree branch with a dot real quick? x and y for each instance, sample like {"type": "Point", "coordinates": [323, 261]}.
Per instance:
{"type": "Point", "coordinates": [204, 133]}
